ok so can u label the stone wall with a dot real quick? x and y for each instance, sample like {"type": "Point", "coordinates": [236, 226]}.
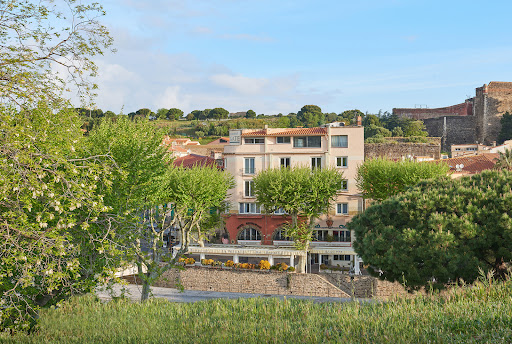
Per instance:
{"type": "Point", "coordinates": [452, 130]}
{"type": "Point", "coordinates": [399, 150]}
{"type": "Point", "coordinates": [366, 286]}
{"type": "Point", "coordinates": [463, 109]}
{"type": "Point", "coordinates": [254, 282]}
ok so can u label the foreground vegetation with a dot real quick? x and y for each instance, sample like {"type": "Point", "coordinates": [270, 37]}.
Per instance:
{"type": "Point", "coordinates": [481, 314]}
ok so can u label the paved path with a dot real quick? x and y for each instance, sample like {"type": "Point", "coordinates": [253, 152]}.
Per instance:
{"type": "Point", "coordinates": [174, 295]}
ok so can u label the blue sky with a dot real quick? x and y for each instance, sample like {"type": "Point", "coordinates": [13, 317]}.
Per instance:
{"type": "Point", "coordinates": [276, 56]}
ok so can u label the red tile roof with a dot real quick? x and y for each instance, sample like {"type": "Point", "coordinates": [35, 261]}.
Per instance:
{"type": "Point", "coordinates": [220, 140]}
{"type": "Point", "coordinates": [192, 160]}
{"type": "Point", "coordinates": [472, 163]}
{"type": "Point", "coordinates": [288, 132]}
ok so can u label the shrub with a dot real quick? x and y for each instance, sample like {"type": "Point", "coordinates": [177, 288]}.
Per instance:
{"type": "Point", "coordinates": [291, 269]}
{"type": "Point", "coordinates": [207, 262]}
{"type": "Point", "coordinates": [323, 267]}
{"type": "Point", "coordinates": [229, 263]}
{"type": "Point", "coordinates": [264, 265]}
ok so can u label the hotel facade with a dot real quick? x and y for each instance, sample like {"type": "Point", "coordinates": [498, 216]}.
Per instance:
{"type": "Point", "coordinates": [252, 230]}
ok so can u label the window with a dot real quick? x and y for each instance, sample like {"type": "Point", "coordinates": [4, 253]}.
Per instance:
{"type": "Point", "coordinates": [316, 162]}
{"type": "Point", "coordinates": [249, 233]}
{"type": "Point", "coordinates": [344, 185]}
{"type": "Point", "coordinates": [457, 149]}
{"type": "Point", "coordinates": [249, 208]}
{"type": "Point", "coordinates": [339, 141]}
{"type": "Point", "coordinates": [471, 149]}
{"type": "Point", "coordinates": [342, 209]}
{"type": "Point", "coordinates": [283, 139]}
{"type": "Point", "coordinates": [249, 166]}
{"type": "Point", "coordinates": [307, 141]}
{"type": "Point", "coordinates": [279, 211]}
{"type": "Point", "coordinates": [342, 257]}
{"type": "Point", "coordinates": [342, 161]}
{"type": "Point", "coordinates": [320, 235]}
{"type": "Point", "coordinates": [254, 140]}
{"type": "Point", "coordinates": [248, 188]}
{"type": "Point", "coordinates": [341, 236]}
{"type": "Point", "coordinates": [280, 235]}
{"type": "Point", "coordinates": [284, 162]}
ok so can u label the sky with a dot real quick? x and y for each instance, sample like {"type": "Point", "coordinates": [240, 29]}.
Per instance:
{"type": "Point", "coordinates": [276, 56]}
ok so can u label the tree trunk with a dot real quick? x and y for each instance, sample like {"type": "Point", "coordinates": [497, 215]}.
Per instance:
{"type": "Point", "coordinates": [301, 265]}
{"type": "Point", "coordinates": [145, 290]}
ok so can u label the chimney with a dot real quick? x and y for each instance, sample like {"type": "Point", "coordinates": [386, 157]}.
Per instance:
{"type": "Point", "coordinates": [359, 121]}
{"type": "Point", "coordinates": [493, 143]}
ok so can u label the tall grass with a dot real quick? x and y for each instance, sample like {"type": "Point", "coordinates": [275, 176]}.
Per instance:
{"type": "Point", "coordinates": [480, 314]}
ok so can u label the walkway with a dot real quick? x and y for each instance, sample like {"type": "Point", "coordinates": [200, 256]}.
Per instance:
{"type": "Point", "coordinates": [174, 295]}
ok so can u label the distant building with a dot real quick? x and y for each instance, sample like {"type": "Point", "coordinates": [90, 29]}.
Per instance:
{"type": "Point", "coordinates": [469, 164]}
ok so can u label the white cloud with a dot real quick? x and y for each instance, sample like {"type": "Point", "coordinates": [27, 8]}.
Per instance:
{"type": "Point", "coordinates": [239, 83]}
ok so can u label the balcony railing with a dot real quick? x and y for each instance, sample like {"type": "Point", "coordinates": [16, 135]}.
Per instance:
{"type": "Point", "coordinates": [248, 171]}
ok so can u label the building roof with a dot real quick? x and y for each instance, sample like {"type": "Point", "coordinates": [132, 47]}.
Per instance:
{"type": "Point", "coordinates": [219, 141]}
{"type": "Point", "coordinates": [473, 163]}
{"type": "Point", "coordinates": [192, 160]}
{"type": "Point", "coordinates": [287, 132]}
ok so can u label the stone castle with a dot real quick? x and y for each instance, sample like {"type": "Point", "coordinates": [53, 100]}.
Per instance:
{"type": "Point", "coordinates": [475, 120]}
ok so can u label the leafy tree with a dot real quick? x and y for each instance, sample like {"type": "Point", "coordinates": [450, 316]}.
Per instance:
{"type": "Point", "coordinates": [371, 120]}
{"type": "Point", "coordinates": [54, 232]}
{"type": "Point", "coordinates": [144, 113]}
{"type": "Point", "coordinates": [310, 115]}
{"type": "Point", "coordinates": [413, 128]}
{"type": "Point", "coordinates": [218, 113]}
{"type": "Point", "coordinates": [351, 115]}
{"type": "Point", "coordinates": [301, 192]}
{"type": "Point", "coordinates": [373, 130]}
{"type": "Point", "coordinates": [162, 113]}
{"type": "Point", "coordinates": [193, 194]}
{"type": "Point", "coordinates": [191, 116]}
{"type": "Point", "coordinates": [250, 114]}
{"type": "Point", "coordinates": [174, 114]}
{"type": "Point", "coordinates": [380, 178]}
{"type": "Point", "coordinates": [504, 161]}
{"type": "Point", "coordinates": [398, 132]}
{"type": "Point", "coordinates": [439, 231]}
{"type": "Point", "coordinates": [110, 114]}
{"type": "Point", "coordinates": [55, 242]}
{"type": "Point", "coordinates": [40, 37]}
{"type": "Point", "coordinates": [506, 128]}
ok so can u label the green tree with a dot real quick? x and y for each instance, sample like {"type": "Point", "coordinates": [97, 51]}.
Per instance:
{"type": "Point", "coordinates": [373, 130]}
{"type": "Point", "coordinates": [413, 128]}
{"type": "Point", "coordinates": [174, 114]}
{"type": "Point", "coordinates": [351, 115]}
{"type": "Point", "coordinates": [54, 232]}
{"type": "Point", "coordinates": [380, 178]}
{"type": "Point", "coordinates": [398, 132]}
{"type": "Point", "coordinates": [144, 113]}
{"type": "Point", "coordinates": [440, 231]}
{"type": "Point", "coordinates": [310, 115]}
{"type": "Point", "coordinates": [504, 161]}
{"type": "Point", "coordinates": [38, 38]}
{"type": "Point", "coordinates": [218, 113]}
{"type": "Point", "coordinates": [250, 114]}
{"type": "Point", "coordinates": [506, 128]}
{"type": "Point", "coordinates": [162, 113]}
{"type": "Point", "coordinates": [370, 119]}
{"type": "Point", "coordinates": [301, 192]}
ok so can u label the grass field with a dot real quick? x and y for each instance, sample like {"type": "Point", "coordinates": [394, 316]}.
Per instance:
{"type": "Point", "coordinates": [481, 314]}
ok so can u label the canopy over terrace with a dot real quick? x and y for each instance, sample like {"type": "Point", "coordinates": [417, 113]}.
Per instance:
{"type": "Point", "coordinates": [237, 251]}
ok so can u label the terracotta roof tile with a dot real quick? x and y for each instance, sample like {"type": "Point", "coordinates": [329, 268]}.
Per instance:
{"type": "Point", "coordinates": [472, 163]}
{"type": "Point", "coordinates": [288, 132]}
{"type": "Point", "coordinates": [192, 160]}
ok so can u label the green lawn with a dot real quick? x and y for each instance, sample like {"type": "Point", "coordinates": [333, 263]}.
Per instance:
{"type": "Point", "coordinates": [480, 315]}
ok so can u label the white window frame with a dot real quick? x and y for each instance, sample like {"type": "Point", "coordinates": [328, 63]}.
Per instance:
{"type": "Point", "coordinates": [344, 185]}
{"type": "Point", "coordinates": [248, 188]}
{"type": "Point", "coordinates": [315, 164]}
{"type": "Point", "coordinates": [337, 145]}
{"type": "Point", "coordinates": [342, 209]}
{"type": "Point", "coordinates": [281, 165]}
{"type": "Point", "coordinates": [248, 140]}
{"type": "Point", "coordinates": [249, 208]}
{"type": "Point", "coordinates": [248, 169]}
{"type": "Point", "coordinates": [342, 161]}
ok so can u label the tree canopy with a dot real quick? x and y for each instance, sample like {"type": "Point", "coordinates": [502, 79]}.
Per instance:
{"type": "Point", "coordinates": [300, 192]}
{"type": "Point", "coordinates": [381, 178]}
{"type": "Point", "coordinates": [439, 231]}
{"type": "Point", "coordinates": [506, 128]}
